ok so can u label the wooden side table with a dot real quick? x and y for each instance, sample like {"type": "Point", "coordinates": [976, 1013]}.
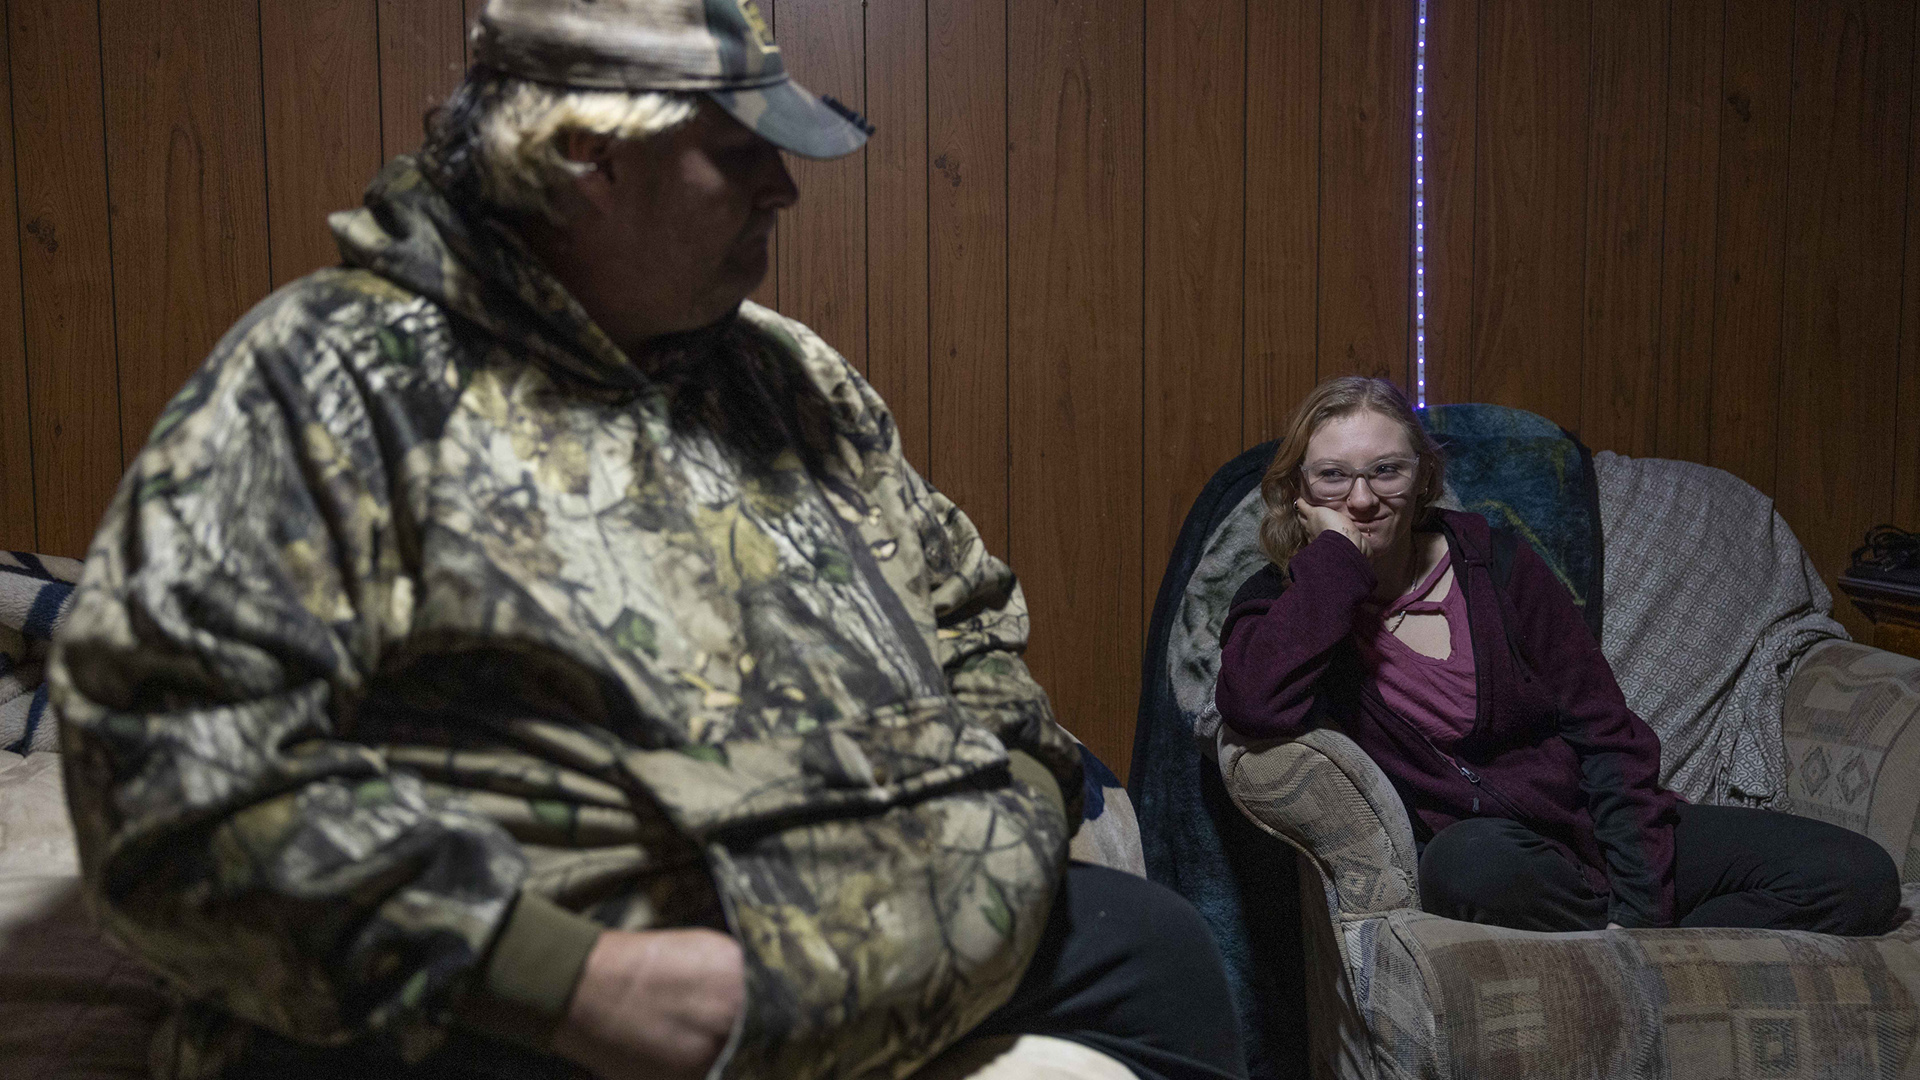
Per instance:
{"type": "Point", "coordinates": [1894, 609]}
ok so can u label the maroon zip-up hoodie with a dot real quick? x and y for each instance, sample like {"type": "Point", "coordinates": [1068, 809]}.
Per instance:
{"type": "Point", "coordinates": [1553, 744]}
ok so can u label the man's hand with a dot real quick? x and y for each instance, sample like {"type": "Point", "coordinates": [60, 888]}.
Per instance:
{"type": "Point", "coordinates": [657, 1004]}
{"type": "Point", "coordinates": [1319, 519]}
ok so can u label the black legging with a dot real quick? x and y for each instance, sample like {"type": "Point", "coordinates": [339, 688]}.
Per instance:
{"type": "Point", "coordinates": [1733, 866]}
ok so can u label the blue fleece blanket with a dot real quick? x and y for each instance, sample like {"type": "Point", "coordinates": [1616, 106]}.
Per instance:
{"type": "Point", "coordinates": [1512, 467]}
{"type": "Point", "coordinates": [35, 593]}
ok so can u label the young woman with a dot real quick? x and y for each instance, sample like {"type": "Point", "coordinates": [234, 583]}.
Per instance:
{"type": "Point", "coordinates": [1458, 662]}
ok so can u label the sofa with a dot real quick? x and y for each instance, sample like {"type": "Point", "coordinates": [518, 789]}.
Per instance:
{"type": "Point", "coordinates": [73, 1006]}
{"type": "Point", "coordinates": [1720, 634]}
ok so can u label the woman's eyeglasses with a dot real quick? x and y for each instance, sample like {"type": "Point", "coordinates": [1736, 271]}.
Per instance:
{"type": "Point", "coordinates": [1387, 479]}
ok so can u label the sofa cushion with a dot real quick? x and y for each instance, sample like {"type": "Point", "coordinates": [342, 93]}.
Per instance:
{"type": "Point", "coordinates": [1694, 1004]}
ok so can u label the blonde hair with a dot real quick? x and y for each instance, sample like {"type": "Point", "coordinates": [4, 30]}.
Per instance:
{"type": "Point", "coordinates": [500, 139]}
{"type": "Point", "coordinates": [1282, 532]}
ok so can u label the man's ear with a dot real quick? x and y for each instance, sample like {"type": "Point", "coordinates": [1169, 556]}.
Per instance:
{"type": "Point", "coordinates": [595, 152]}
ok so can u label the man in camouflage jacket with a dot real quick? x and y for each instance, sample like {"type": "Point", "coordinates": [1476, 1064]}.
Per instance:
{"type": "Point", "coordinates": [438, 631]}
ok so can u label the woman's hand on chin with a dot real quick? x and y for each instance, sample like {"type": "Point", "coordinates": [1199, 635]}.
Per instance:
{"type": "Point", "coordinates": [1319, 519]}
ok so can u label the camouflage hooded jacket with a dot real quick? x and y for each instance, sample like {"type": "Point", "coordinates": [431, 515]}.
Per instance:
{"type": "Point", "coordinates": [419, 643]}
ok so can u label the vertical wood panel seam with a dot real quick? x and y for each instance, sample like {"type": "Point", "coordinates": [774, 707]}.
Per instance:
{"type": "Point", "coordinates": [1246, 95]}
{"type": "Point", "coordinates": [1473, 255]}
{"type": "Point", "coordinates": [770, 11]}
{"type": "Point", "coordinates": [1006, 273]}
{"type": "Point", "coordinates": [1471, 358]}
{"type": "Point", "coordinates": [19, 254]}
{"type": "Point", "coordinates": [379, 81]}
{"type": "Point", "coordinates": [266, 149]}
{"type": "Point", "coordinates": [1719, 234]}
{"type": "Point", "coordinates": [866, 199]}
{"type": "Point", "coordinates": [1319, 176]}
{"type": "Point", "coordinates": [1666, 206]}
{"type": "Point", "coordinates": [1901, 344]}
{"type": "Point", "coordinates": [1146, 192]}
{"type": "Point", "coordinates": [1586, 229]}
{"type": "Point", "coordinates": [1786, 246]}
{"type": "Point", "coordinates": [106, 176]}
{"type": "Point", "coordinates": [926, 216]}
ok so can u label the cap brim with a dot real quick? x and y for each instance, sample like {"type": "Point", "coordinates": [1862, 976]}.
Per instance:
{"type": "Point", "coordinates": [789, 117]}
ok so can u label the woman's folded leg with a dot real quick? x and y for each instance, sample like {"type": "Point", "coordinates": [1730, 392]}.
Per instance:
{"type": "Point", "coordinates": [1499, 872]}
{"type": "Point", "coordinates": [1735, 866]}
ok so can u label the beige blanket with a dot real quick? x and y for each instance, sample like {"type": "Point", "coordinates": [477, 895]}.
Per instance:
{"type": "Point", "coordinates": [71, 1005]}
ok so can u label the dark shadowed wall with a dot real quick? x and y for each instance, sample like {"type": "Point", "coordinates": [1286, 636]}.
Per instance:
{"type": "Point", "coordinates": [1097, 247]}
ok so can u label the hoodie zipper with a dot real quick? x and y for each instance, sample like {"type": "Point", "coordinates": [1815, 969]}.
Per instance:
{"type": "Point", "coordinates": [1471, 776]}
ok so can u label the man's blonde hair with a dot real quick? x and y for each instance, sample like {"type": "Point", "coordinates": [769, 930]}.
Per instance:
{"type": "Point", "coordinates": [501, 137]}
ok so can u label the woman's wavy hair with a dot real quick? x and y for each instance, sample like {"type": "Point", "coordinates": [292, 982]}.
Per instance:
{"type": "Point", "coordinates": [1282, 532]}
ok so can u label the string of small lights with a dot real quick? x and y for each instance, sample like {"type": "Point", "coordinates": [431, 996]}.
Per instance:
{"type": "Point", "coordinates": [1420, 211]}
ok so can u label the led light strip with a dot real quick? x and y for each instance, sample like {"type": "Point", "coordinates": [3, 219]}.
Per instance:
{"type": "Point", "coordinates": [1420, 211]}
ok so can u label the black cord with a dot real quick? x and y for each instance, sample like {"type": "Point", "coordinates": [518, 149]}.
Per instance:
{"type": "Point", "coordinates": [1888, 548]}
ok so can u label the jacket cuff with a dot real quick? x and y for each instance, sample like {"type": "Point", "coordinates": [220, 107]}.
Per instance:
{"type": "Point", "coordinates": [529, 975]}
{"type": "Point", "coordinates": [1331, 558]}
{"type": "Point", "coordinates": [1027, 769]}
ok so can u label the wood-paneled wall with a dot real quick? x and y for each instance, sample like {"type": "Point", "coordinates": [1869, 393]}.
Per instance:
{"type": "Point", "coordinates": [1097, 247]}
{"type": "Point", "coordinates": [172, 163]}
{"type": "Point", "coordinates": [1082, 295]}
{"type": "Point", "coordinates": [1687, 229]}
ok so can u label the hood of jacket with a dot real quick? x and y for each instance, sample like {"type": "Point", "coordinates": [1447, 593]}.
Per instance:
{"type": "Point", "coordinates": [409, 232]}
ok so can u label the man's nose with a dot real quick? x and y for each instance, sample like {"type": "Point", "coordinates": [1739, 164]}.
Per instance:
{"type": "Point", "coordinates": [777, 189]}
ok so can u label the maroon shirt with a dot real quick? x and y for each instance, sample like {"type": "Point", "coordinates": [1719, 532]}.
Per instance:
{"type": "Point", "coordinates": [1437, 693]}
{"type": "Point", "coordinates": [1553, 744]}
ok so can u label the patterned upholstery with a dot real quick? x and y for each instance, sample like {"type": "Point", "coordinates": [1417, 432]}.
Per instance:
{"type": "Point", "coordinates": [1395, 992]}
{"type": "Point", "coordinates": [1853, 748]}
{"type": "Point", "coordinates": [1510, 466]}
{"type": "Point", "coordinates": [35, 593]}
{"type": "Point", "coordinates": [1109, 834]}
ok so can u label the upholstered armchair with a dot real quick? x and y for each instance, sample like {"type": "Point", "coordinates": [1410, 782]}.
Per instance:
{"type": "Point", "coordinates": [1395, 992]}
{"type": "Point", "coordinates": [1718, 630]}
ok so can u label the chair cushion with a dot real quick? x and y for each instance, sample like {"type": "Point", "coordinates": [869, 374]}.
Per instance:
{"type": "Point", "coordinates": [1699, 1004]}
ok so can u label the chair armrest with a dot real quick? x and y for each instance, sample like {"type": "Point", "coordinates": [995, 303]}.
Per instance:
{"type": "Point", "coordinates": [1851, 721]}
{"type": "Point", "coordinates": [1324, 796]}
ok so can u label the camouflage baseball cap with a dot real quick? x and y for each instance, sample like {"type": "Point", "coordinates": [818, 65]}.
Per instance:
{"type": "Point", "coordinates": [719, 47]}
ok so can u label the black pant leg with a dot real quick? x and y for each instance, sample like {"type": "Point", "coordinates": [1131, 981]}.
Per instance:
{"type": "Point", "coordinates": [1128, 968]}
{"type": "Point", "coordinates": [1735, 866]}
{"type": "Point", "coordinates": [1499, 872]}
